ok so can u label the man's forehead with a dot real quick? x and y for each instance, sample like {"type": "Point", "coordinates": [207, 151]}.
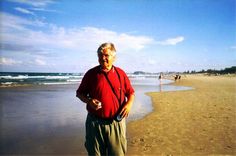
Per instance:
{"type": "Point", "coordinates": [106, 51]}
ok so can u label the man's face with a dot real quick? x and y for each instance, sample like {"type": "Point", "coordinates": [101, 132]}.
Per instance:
{"type": "Point", "coordinates": [106, 59]}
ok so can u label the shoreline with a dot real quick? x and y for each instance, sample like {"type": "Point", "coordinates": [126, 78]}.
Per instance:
{"type": "Point", "coordinates": [199, 121]}
{"type": "Point", "coordinates": [165, 130]}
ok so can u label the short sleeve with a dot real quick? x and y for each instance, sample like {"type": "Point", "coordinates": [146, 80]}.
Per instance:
{"type": "Point", "coordinates": [128, 87]}
{"type": "Point", "coordinates": [84, 85]}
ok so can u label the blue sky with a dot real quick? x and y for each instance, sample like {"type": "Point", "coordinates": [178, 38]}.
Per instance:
{"type": "Point", "coordinates": [149, 35]}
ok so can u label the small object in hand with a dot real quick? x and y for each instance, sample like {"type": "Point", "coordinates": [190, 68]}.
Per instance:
{"type": "Point", "coordinates": [119, 118]}
{"type": "Point", "coordinates": [99, 105]}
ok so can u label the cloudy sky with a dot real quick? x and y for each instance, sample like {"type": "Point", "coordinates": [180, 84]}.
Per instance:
{"type": "Point", "coordinates": [149, 35]}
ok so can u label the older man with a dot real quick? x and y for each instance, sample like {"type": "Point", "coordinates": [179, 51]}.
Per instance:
{"type": "Point", "coordinates": [109, 96]}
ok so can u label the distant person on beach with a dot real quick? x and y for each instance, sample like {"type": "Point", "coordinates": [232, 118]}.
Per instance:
{"type": "Point", "coordinates": [109, 96]}
{"type": "Point", "coordinates": [160, 76]}
{"type": "Point", "coordinates": [160, 81]}
{"type": "Point", "coordinates": [177, 77]}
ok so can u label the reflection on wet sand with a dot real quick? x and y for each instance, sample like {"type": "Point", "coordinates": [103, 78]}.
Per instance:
{"type": "Point", "coordinates": [50, 119]}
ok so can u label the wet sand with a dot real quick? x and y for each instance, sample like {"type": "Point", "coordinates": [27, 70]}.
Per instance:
{"type": "Point", "coordinates": [193, 122]}
{"type": "Point", "coordinates": [41, 120]}
{"type": "Point", "coordinates": [49, 119]}
{"type": "Point", "coordinates": [200, 121]}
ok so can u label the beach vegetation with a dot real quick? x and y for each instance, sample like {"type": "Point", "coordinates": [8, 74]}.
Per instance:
{"type": "Point", "coordinates": [230, 70]}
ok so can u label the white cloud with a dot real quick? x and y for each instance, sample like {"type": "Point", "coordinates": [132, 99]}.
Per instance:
{"type": "Point", "coordinates": [172, 41]}
{"type": "Point", "coordinates": [89, 38]}
{"type": "Point", "coordinates": [8, 61]}
{"type": "Point", "coordinates": [38, 45]}
{"type": "Point", "coordinates": [35, 3]}
{"type": "Point", "coordinates": [25, 11]}
{"type": "Point", "coordinates": [13, 25]}
{"type": "Point", "coordinates": [40, 62]}
{"type": "Point", "coordinates": [19, 30]}
{"type": "Point", "coordinates": [44, 10]}
{"type": "Point", "coordinates": [233, 47]}
{"type": "Point", "coordinates": [151, 62]}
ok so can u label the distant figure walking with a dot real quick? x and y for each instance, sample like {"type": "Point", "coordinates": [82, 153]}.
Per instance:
{"type": "Point", "coordinates": [177, 76]}
{"type": "Point", "coordinates": [160, 77]}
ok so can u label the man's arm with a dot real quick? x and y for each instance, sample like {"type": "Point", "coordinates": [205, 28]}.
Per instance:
{"type": "Point", "coordinates": [82, 97]}
{"type": "Point", "coordinates": [94, 103]}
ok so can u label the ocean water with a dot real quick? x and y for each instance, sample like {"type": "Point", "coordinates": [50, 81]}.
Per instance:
{"type": "Point", "coordinates": [59, 88]}
{"type": "Point", "coordinates": [14, 78]}
{"type": "Point", "coordinates": [33, 118]}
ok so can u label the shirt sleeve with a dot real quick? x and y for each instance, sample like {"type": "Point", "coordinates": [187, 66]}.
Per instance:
{"type": "Point", "coordinates": [128, 87]}
{"type": "Point", "coordinates": [84, 85]}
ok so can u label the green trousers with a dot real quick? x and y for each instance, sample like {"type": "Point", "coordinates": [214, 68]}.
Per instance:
{"type": "Point", "coordinates": [105, 137]}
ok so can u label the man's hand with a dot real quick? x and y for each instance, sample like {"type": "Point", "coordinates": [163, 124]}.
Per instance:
{"type": "Point", "coordinates": [125, 110]}
{"type": "Point", "coordinates": [95, 104]}
{"type": "Point", "coordinates": [127, 107]}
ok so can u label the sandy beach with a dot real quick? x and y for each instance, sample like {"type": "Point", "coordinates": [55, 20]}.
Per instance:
{"type": "Point", "coordinates": [201, 121]}
{"type": "Point", "coordinates": [49, 119]}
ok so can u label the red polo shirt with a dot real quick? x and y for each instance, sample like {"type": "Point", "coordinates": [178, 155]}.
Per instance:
{"type": "Point", "coordinates": [95, 85]}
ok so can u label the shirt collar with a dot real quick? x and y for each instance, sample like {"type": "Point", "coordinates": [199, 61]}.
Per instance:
{"type": "Point", "coordinates": [112, 69]}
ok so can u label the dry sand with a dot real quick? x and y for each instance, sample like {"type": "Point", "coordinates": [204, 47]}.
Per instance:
{"type": "Point", "coordinates": [201, 121]}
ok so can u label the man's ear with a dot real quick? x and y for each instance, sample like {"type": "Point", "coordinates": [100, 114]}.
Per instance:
{"type": "Point", "coordinates": [114, 58]}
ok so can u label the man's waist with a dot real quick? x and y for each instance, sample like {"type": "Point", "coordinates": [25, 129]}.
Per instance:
{"type": "Point", "coordinates": [102, 113]}
{"type": "Point", "coordinates": [99, 118]}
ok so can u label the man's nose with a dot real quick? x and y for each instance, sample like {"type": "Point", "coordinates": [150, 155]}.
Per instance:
{"type": "Point", "coordinates": [104, 57]}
